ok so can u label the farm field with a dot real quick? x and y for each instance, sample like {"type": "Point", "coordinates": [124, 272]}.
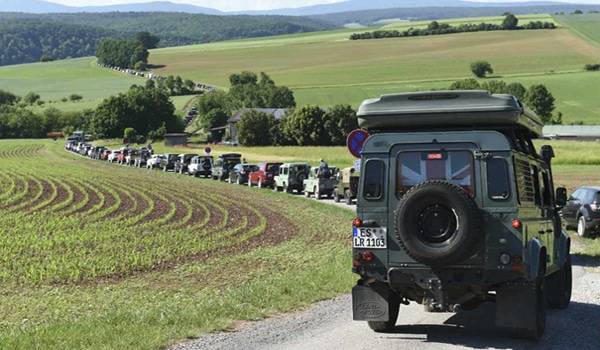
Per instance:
{"type": "Point", "coordinates": [326, 68]}
{"type": "Point", "coordinates": [523, 20]}
{"type": "Point", "coordinates": [330, 71]}
{"type": "Point", "coordinates": [587, 25]}
{"type": "Point", "coordinates": [96, 256]}
{"type": "Point", "coordinates": [58, 79]}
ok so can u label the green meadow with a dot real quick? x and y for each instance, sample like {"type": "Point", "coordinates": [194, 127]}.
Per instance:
{"type": "Point", "coordinates": [586, 25]}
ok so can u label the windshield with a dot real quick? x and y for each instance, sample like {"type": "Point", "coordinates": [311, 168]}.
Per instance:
{"type": "Point", "coordinates": [455, 167]}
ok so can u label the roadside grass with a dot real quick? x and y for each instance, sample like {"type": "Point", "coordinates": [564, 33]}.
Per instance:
{"type": "Point", "coordinates": [97, 256]}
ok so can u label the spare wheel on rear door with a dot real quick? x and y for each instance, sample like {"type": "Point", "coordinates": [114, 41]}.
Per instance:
{"type": "Point", "coordinates": [438, 223]}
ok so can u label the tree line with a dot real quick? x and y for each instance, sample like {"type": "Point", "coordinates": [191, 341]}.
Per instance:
{"type": "Point", "coordinates": [537, 97]}
{"type": "Point", "coordinates": [26, 38]}
{"type": "Point", "coordinates": [148, 110]}
{"type": "Point", "coordinates": [25, 41]}
{"type": "Point", "coordinates": [510, 22]}
{"type": "Point", "coordinates": [127, 53]}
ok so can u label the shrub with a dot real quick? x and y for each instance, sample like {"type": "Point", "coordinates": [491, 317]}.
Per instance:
{"type": "Point", "coordinates": [510, 22]}
{"type": "Point", "coordinates": [304, 127]}
{"type": "Point", "coordinates": [592, 67]}
{"type": "Point", "coordinates": [339, 121]}
{"type": "Point", "coordinates": [541, 100]}
{"type": "Point", "coordinates": [254, 129]}
{"type": "Point", "coordinates": [31, 98]}
{"type": "Point", "coordinates": [481, 68]}
{"type": "Point", "coordinates": [7, 98]}
{"type": "Point", "coordinates": [465, 84]}
{"type": "Point", "coordinates": [129, 134]}
{"type": "Point", "coordinates": [75, 97]}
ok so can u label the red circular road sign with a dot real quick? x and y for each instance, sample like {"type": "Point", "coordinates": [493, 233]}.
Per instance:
{"type": "Point", "coordinates": [207, 150]}
{"type": "Point", "coordinates": [356, 141]}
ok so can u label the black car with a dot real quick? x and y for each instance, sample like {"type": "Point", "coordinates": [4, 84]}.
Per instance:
{"type": "Point", "coordinates": [182, 163]}
{"type": "Point", "coordinates": [583, 211]}
{"type": "Point", "coordinates": [168, 161]}
{"type": "Point", "coordinates": [239, 174]}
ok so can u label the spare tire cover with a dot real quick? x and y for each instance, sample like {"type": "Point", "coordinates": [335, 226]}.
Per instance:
{"type": "Point", "coordinates": [438, 223]}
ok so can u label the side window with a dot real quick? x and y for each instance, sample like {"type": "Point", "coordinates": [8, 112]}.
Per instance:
{"type": "Point", "coordinates": [589, 196]}
{"type": "Point", "coordinates": [535, 174]}
{"type": "Point", "coordinates": [374, 180]}
{"type": "Point", "coordinates": [575, 195]}
{"type": "Point", "coordinates": [498, 181]}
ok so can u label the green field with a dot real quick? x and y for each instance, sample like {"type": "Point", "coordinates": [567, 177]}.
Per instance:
{"type": "Point", "coordinates": [326, 68]}
{"type": "Point", "coordinates": [97, 256]}
{"type": "Point", "coordinates": [523, 19]}
{"type": "Point", "coordinates": [331, 70]}
{"type": "Point", "coordinates": [586, 25]}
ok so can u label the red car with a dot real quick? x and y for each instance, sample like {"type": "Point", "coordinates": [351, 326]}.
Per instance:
{"type": "Point", "coordinates": [121, 157]}
{"type": "Point", "coordinates": [104, 155]}
{"type": "Point", "coordinates": [264, 176]}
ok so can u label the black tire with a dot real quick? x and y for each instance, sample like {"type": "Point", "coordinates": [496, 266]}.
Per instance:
{"type": "Point", "coordinates": [287, 189]}
{"type": "Point", "coordinates": [347, 197]}
{"type": "Point", "coordinates": [582, 229]}
{"type": "Point", "coordinates": [559, 286]}
{"type": "Point", "coordinates": [438, 223]}
{"type": "Point", "coordinates": [536, 331]}
{"type": "Point", "coordinates": [387, 326]}
{"type": "Point", "coordinates": [336, 197]}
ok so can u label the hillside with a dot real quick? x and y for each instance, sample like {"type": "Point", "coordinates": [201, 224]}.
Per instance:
{"type": "Point", "coordinates": [27, 37]}
{"type": "Point", "coordinates": [587, 25]}
{"type": "Point", "coordinates": [326, 68]}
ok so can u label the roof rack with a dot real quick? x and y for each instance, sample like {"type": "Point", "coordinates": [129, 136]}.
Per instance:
{"type": "Point", "coordinates": [470, 109]}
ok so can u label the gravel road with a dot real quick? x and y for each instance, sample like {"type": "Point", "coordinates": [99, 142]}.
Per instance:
{"type": "Point", "coordinates": [328, 326]}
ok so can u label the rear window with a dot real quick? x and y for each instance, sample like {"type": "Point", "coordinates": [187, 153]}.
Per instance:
{"type": "Point", "coordinates": [273, 168]}
{"type": "Point", "coordinates": [374, 179]}
{"type": "Point", "coordinates": [455, 167]}
{"type": "Point", "coordinates": [498, 184]}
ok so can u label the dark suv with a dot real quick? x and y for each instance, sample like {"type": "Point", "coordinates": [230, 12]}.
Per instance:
{"type": "Point", "coordinates": [223, 165]}
{"type": "Point", "coordinates": [455, 208]}
{"type": "Point", "coordinates": [182, 163]}
{"type": "Point", "coordinates": [583, 211]}
{"type": "Point", "coordinates": [168, 162]}
{"type": "Point", "coordinates": [239, 174]}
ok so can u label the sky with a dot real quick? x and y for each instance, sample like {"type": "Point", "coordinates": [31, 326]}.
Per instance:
{"type": "Point", "coordinates": [238, 5]}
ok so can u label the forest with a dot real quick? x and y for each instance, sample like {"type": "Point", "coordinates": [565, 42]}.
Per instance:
{"type": "Point", "coordinates": [26, 38]}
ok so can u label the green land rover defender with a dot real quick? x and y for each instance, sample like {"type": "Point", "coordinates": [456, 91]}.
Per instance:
{"type": "Point", "coordinates": [456, 208]}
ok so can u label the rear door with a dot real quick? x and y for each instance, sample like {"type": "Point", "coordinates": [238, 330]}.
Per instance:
{"type": "Point", "coordinates": [411, 165]}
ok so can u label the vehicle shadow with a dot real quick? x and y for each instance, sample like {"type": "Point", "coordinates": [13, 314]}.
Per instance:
{"type": "Point", "coordinates": [574, 328]}
{"type": "Point", "coordinates": [585, 260]}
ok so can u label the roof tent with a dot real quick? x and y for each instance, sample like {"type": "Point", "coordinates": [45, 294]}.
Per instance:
{"type": "Point", "coordinates": [474, 109]}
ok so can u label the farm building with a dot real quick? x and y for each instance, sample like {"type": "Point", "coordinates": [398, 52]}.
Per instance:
{"type": "Point", "coordinates": [278, 113]}
{"type": "Point", "coordinates": [176, 139]}
{"type": "Point", "coordinates": [572, 132]}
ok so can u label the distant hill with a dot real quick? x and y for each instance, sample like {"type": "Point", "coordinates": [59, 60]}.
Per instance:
{"type": "Point", "coordinates": [26, 38]}
{"type": "Point", "coordinates": [39, 6]}
{"type": "Point", "coordinates": [362, 5]}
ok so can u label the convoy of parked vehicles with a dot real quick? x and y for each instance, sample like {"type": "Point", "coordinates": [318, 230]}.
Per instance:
{"type": "Point", "coordinates": [298, 178]}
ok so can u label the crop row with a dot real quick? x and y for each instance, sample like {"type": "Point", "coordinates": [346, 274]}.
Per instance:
{"type": "Point", "coordinates": [66, 220]}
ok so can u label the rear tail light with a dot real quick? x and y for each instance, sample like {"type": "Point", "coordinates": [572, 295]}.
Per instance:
{"type": "Point", "coordinates": [517, 224]}
{"type": "Point", "coordinates": [357, 222]}
{"type": "Point", "coordinates": [367, 257]}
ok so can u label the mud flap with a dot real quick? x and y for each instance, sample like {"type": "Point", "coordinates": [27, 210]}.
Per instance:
{"type": "Point", "coordinates": [516, 307]}
{"type": "Point", "coordinates": [370, 303]}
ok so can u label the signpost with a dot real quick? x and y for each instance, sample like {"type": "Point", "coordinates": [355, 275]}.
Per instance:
{"type": "Point", "coordinates": [356, 141]}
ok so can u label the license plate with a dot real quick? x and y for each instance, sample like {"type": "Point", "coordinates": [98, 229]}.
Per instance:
{"type": "Point", "coordinates": [369, 237]}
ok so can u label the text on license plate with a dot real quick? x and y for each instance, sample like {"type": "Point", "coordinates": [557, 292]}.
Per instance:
{"type": "Point", "coordinates": [369, 237]}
